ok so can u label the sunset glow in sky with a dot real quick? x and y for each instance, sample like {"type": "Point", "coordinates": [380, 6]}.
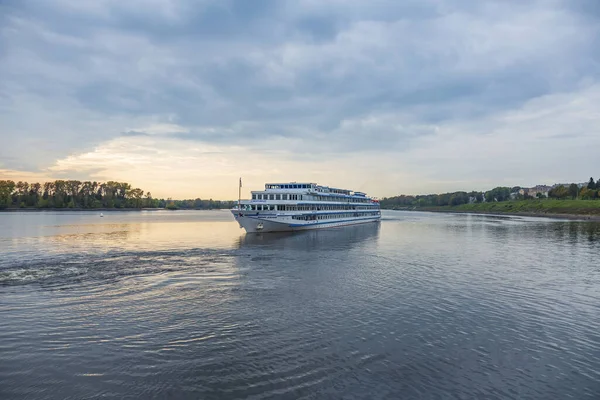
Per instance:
{"type": "Point", "coordinates": [181, 98]}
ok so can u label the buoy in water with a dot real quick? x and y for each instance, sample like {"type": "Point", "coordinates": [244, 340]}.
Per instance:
{"type": "Point", "coordinates": [101, 215]}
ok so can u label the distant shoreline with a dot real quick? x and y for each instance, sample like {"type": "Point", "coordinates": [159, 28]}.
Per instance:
{"type": "Point", "coordinates": [103, 209]}
{"type": "Point", "coordinates": [570, 217]}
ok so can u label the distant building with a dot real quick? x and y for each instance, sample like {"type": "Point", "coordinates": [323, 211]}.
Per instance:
{"type": "Point", "coordinates": [533, 191]}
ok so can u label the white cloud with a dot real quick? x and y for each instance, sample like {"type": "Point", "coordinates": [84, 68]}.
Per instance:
{"type": "Point", "coordinates": [521, 146]}
{"type": "Point", "coordinates": [160, 129]}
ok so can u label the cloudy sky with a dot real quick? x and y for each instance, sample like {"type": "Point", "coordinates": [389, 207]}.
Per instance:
{"type": "Point", "coordinates": [413, 96]}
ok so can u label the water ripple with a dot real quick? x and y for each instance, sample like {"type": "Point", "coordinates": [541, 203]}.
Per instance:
{"type": "Point", "coordinates": [422, 306]}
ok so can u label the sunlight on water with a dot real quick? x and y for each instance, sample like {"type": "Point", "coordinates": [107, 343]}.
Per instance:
{"type": "Point", "coordinates": [184, 304]}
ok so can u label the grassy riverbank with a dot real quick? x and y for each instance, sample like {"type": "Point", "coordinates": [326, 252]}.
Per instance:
{"type": "Point", "coordinates": [544, 207]}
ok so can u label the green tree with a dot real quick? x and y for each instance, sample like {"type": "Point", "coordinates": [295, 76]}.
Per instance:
{"type": "Point", "coordinates": [559, 192]}
{"type": "Point", "coordinates": [500, 193]}
{"type": "Point", "coordinates": [35, 191]}
{"type": "Point", "coordinates": [72, 189]}
{"type": "Point", "coordinates": [592, 185]}
{"type": "Point", "coordinates": [148, 200]}
{"type": "Point", "coordinates": [22, 191]}
{"type": "Point", "coordinates": [48, 190]}
{"type": "Point", "coordinates": [59, 199]}
{"type": "Point", "coordinates": [135, 197]}
{"type": "Point", "coordinates": [6, 190]}
{"type": "Point", "coordinates": [573, 190]}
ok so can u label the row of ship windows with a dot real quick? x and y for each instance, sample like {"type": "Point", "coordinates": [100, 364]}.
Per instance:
{"type": "Point", "coordinates": [305, 186]}
{"type": "Point", "coordinates": [283, 207]}
{"type": "Point", "coordinates": [305, 197]}
{"type": "Point", "coordinates": [335, 216]}
{"type": "Point", "coordinates": [276, 197]}
{"type": "Point", "coordinates": [290, 186]}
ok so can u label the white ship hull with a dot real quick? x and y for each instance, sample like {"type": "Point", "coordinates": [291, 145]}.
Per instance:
{"type": "Point", "coordinates": [296, 206]}
{"type": "Point", "coordinates": [254, 224]}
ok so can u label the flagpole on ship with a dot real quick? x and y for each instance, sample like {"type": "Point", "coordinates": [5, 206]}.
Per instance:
{"type": "Point", "coordinates": [240, 195]}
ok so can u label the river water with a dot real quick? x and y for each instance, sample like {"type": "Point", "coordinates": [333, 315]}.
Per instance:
{"type": "Point", "coordinates": [182, 304]}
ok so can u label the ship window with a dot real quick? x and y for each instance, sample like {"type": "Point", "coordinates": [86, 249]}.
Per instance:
{"type": "Point", "coordinates": [253, 197]}
{"type": "Point", "coordinates": [271, 197]}
{"type": "Point", "coordinates": [277, 197]}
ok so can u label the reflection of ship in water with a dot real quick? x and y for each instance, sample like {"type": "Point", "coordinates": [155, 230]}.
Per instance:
{"type": "Point", "coordinates": [331, 239]}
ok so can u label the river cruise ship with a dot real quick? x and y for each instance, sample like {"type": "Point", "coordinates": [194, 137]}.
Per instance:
{"type": "Point", "coordinates": [299, 206]}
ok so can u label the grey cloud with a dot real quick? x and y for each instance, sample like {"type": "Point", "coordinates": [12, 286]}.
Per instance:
{"type": "Point", "coordinates": [134, 134]}
{"type": "Point", "coordinates": [254, 71]}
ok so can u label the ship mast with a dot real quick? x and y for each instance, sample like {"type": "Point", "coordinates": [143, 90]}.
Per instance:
{"type": "Point", "coordinates": [240, 195]}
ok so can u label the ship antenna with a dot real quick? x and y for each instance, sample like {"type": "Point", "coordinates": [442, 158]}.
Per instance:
{"type": "Point", "coordinates": [240, 195]}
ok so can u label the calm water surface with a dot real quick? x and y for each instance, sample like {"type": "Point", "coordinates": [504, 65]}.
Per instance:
{"type": "Point", "coordinates": [184, 305]}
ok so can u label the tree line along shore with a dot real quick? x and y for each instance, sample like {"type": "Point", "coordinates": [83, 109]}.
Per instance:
{"type": "Point", "coordinates": [571, 199]}
{"type": "Point", "coordinates": [88, 195]}
{"type": "Point", "coordinates": [567, 200]}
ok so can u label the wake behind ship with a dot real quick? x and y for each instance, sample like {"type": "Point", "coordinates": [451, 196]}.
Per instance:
{"type": "Point", "coordinates": [300, 206]}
